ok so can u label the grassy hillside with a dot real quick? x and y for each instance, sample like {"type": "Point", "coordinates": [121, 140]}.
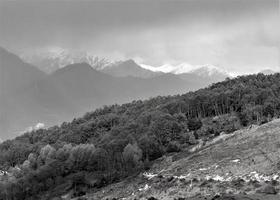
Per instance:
{"type": "Point", "coordinates": [243, 164]}
{"type": "Point", "coordinates": [117, 141]}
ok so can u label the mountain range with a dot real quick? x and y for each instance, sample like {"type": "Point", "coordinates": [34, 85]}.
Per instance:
{"type": "Point", "coordinates": [55, 58]}
{"type": "Point", "coordinates": [52, 59]}
{"type": "Point", "coordinates": [29, 95]}
{"type": "Point", "coordinates": [129, 68]}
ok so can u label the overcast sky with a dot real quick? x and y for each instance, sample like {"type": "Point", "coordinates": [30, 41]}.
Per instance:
{"type": "Point", "coordinates": [241, 36]}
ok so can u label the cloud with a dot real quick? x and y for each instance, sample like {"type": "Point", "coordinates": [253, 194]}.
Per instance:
{"type": "Point", "coordinates": [34, 128]}
{"type": "Point", "coordinates": [235, 34]}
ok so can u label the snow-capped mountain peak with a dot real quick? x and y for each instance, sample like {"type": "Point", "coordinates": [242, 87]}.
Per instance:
{"type": "Point", "coordinates": [208, 70]}
{"type": "Point", "coordinates": [168, 68]}
{"type": "Point", "coordinates": [201, 70]}
{"type": "Point", "coordinates": [183, 68]}
{"type": "Point", "coordinates": [53, 58]}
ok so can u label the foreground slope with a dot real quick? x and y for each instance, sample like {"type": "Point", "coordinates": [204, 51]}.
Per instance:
{"type": "Point", "coordinates": [241, 164]}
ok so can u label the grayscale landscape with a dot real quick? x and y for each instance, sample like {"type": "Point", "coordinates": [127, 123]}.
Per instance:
{"type": "Point", "coordinates": [139, 100]}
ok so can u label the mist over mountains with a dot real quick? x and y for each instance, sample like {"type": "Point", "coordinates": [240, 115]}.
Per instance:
{"type": "Point", "coordinates": [30, 96]}
{"type": "Point", "coordinates": [55, 58]}
{"type": "Point", "coordinates": [129, 68]}
{"type": "Point", "coordinates": [63, 87]}
{"type": "Point", "coordinates": [52, 59]}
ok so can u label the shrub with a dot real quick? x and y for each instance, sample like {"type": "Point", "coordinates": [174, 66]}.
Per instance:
{"type": "Point", "coordinates": [173, 147]}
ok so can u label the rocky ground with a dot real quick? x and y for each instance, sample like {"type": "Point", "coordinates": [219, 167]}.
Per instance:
{"type": "Point", "coordinates": [244, 165]}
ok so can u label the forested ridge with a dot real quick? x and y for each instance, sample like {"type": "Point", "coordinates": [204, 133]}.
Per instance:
{"type": "Point", "coordinates": [116, 141]}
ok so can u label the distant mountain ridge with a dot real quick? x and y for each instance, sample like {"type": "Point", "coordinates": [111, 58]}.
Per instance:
{"type": "Point", "coordinates": [129, 68]}
{"type": "Point", "coordinates": [187, 68]}
{"type": "Point", "coordinates": [56, 58]}
{"type": "Point", "coordinates": [52, 59]}
{"type": "Point", "coordinates": [32, 96]}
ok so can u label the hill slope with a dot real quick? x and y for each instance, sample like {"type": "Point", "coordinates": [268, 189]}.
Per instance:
{"type": "Point", "coordinates": [112, 143]}
{"type": "Point", "coordinates": [229, 164]}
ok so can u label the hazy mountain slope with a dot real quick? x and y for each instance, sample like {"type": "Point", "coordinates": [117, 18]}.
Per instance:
{"type": "Point", "coordinates": [84, 86]}
{"type": "Point", "coordinates": [40, 102]}
{"type": "Point", "coordinates": [89, 88]}
{"type": "Point", "coordinates": [15, 73]}
{"type": "Point", "coordinates": [26, 98]}
{"type": "Point", "coordinates": [14, 76]}
{"type": "Point", "coordinates": [129, 68]}
{"type": "Point", "coordinates": [202, 80]}
{"type": "Point", "coordinates": [29, 96]}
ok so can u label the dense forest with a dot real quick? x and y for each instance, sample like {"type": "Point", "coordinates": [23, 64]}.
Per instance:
{"type": "Point", "coordinates": [117, 141]}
